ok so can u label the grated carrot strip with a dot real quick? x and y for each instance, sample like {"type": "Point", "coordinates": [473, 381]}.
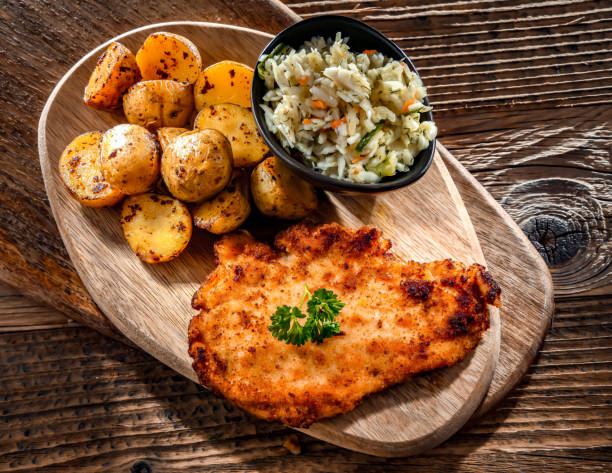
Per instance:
{"type": "Point", "coordinates": [337, 123]}
{"type": "Point", "coordinates": [407, 105]}
{"type": "Point", "coordinates": [360, 158]}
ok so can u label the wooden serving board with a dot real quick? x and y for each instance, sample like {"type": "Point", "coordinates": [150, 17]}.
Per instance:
{"type": "Point", "coordinates": [151, 304]}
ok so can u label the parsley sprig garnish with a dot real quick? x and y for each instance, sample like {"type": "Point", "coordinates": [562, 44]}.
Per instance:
{"type": "Point", "coordinates": [323, 306]}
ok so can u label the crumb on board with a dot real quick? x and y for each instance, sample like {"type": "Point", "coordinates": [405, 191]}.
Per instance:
{"type": "Point", "coordinates": [293, 444]}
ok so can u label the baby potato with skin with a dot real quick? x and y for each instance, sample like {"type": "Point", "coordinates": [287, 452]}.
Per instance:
{"type": "Point", "coordinates": [224, 82]}
{"type": "Point", "coordinates": [278, 192]}
{"type": "Point", "coordinates": [197, 165]}
{"type": "Point", "coordinates": [169, 56]}
{"type": "Point", "coordinates": [115, 71]}
{"type": "Point", "coordinates": [157, 227]}
{"type": "Point", "coordinates": [81, 173]}
{"type": "Point", "coordinates": [238, 124]}
{"type": "Point", "coordinates": [227, 210]}
{"type": "Point", "coordinates": [129, 158]}
{"type": "Point", "coordinates": [159, 103]}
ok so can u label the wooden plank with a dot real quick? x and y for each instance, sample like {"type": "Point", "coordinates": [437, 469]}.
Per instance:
{"type": "Point", "coordinates": [18, 312]}
{"type": "Point", "coordinates": [103, 405]}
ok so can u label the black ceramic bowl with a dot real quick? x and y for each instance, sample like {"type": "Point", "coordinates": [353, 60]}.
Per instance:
{"type": "Point", "coordinates": [361, 37]}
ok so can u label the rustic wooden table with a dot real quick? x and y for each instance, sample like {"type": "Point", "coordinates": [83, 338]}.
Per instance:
{"type": "Point", "coordinates": [522, 92]}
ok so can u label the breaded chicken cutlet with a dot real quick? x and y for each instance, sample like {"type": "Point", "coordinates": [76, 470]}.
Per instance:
{"type": "Point", "coordinates": [400, 318]}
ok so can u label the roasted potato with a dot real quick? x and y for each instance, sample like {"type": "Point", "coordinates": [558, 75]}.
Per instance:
{"type": "Point", "coordinates": [129, 158]}
{"type": "Point", "coordinates": [238, 124]}
{"type": "Point", "coordinates": [115, 72]}
{"type": "Point", "coordinates": [278, 192]}
{"type": "Point", "coordinates": [80, 172]}
{"type": "Point", "coordinates": [224, 82]}
{"type": "Point", "coordinates": [227, 210]}
{"type": "Point", "coordinates": [157, 227]}
{"type": "Point", "coordinates": [158, 103]}
{"type": "Point", "coordinates": [166, 134]}
{"type": "Point", "coordinates": [169, 56]}
{"type": "Point", "coordinates": [197, 165]}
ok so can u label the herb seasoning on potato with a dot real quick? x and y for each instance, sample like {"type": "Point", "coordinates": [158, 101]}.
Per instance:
{"type": "Point", "coordinates": [169, 56]}
{"type": "Point", "coordinates": [80, 172]}
{"type": "Point", "coordinates": [129, 158]}
{"type": "Point", "coordinates": [158, 103]}
{"type": "Point", "coordinates": [227, 210]}
{"type": "Point", "coordinates": [197, 165]}
{"type": "Point", "coordinates": [224, 82]}
{"type": "Point", "coordinates": [238, 124]}
{"type": "Point", "coordinates": [115, 72]}
{"type": "Point", "coordinates": [278, 192]}
{"type": "Point", "coordinates": [157, 227]}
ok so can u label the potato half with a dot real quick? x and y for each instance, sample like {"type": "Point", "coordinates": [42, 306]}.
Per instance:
{"type": "Point", "coordinates": [166, 135]}
{"type": "Point", "coordinates": [197, 165]}
{"type": "Point", "coordinates": [169, 56]}
{"type": "Point", "coordinates": [227, 210]}
{"type": "Point", "coordinates": [238, 124]}
{"type": "Point", "coordinates": [157, 227]}
{"type": "Point", "coordinates": [224, 82]}
{"type": "Point", "coordinates": [129, 158]}
{"type": "Point", "coordinates": [115, 72]}
{"type": "Point", "coordinates": [157, 103]}
{"type": "Point", "coordinates": [81, 173]}
{"type": "Point", "coordinates": [278, 192]}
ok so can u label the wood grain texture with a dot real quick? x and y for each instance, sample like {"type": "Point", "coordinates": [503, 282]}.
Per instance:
{"type": "Point", "coordinates": [151, 304]}
{"type": "Point", "coordinates": [18, 312]}
{"type": "Point", "coordinates": [554, 179]}
{"type": "Point", "coordinates": [573, 395]}
{"type": "Point", "coordinates": [100, 406]}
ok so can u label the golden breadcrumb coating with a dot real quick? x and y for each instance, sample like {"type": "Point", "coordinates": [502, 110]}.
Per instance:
{"type": "Point", "coordinates": [400, 318]}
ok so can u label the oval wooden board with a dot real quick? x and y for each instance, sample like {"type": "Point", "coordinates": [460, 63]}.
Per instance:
{"type": "Point", "coordinates": [151, 304]}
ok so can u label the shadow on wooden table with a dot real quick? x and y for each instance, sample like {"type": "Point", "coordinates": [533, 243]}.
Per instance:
{"type": "Point", "coordinates": [105, 406]}
{"type": "Point", "coordinates": [218, 434]}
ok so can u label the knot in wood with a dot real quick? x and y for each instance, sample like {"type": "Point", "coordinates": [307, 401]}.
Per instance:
{"type": "Point", "coordinates": [567, 226]}
{"type": "Point", "coordinates": [556, 239]}
{"type": "Point", "coordinates": [141, 467]}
